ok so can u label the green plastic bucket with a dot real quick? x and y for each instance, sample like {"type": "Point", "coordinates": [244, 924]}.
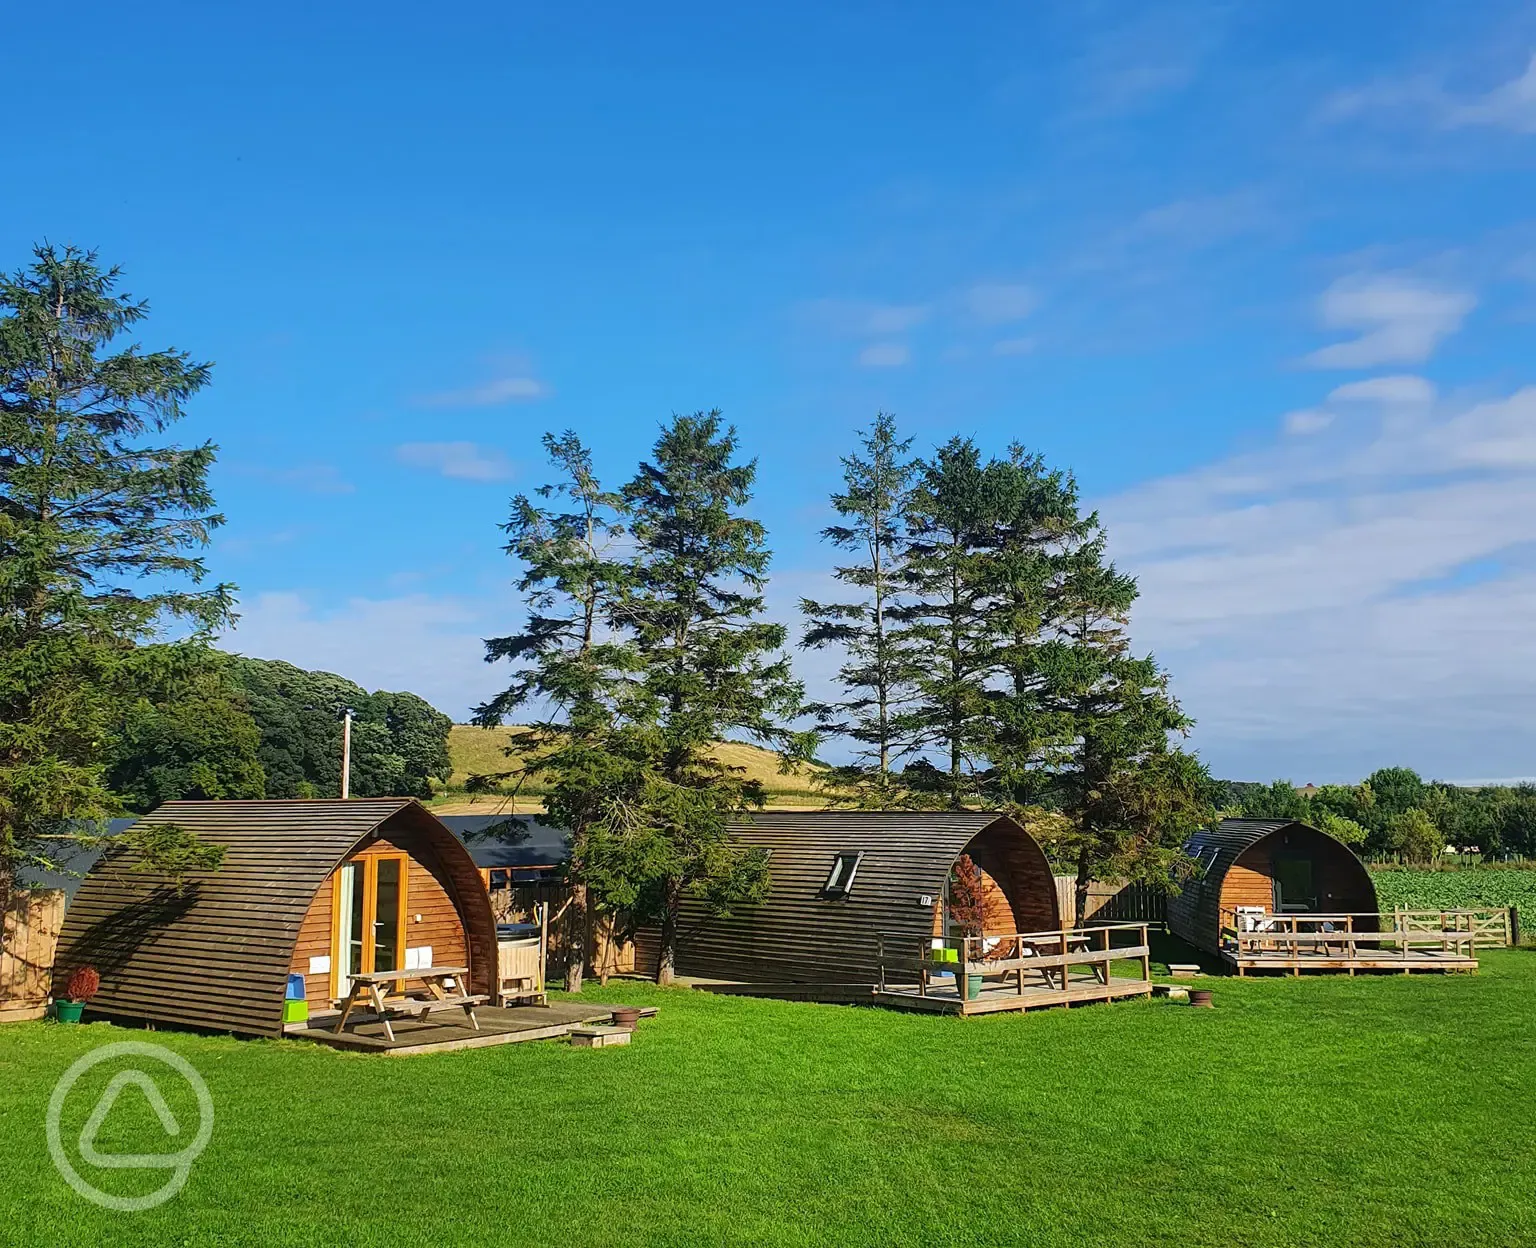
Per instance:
{"type": "Point", "coordinates": [68, 1011]}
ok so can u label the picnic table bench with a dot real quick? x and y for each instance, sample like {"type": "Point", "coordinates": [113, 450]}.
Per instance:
{"type": "Point", "coordinates": [367, 988]}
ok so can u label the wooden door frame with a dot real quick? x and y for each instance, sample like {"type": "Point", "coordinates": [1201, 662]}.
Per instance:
{"type": "Point", "coordinates": [370, 884]}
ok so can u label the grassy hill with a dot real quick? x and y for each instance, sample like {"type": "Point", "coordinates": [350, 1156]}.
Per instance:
{"type": "Point", "coordinates": [480, 751]}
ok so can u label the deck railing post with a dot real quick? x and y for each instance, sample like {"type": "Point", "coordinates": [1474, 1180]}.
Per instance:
{"type": "Point", "coordinates": [963, 979]}
{"type": "Point", "coordinates": [880, 956]}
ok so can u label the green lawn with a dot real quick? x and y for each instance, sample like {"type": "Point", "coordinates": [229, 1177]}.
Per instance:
{"type": "Point", "coordinates": [1336, 1112]}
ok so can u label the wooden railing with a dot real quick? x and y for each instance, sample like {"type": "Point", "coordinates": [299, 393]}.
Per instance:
{"type": "Point", "coordinates": [1492, 928]}
{"type": "Point", "coordinates": [1050, 955]}
{"type": "Point", "coordinates": [1293, 936]}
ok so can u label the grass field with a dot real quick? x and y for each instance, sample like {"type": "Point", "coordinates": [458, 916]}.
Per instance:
{"type": "Point", "coordinates": [1338, 1112]}
{"type": "Point", "coordinates": [480, 751]}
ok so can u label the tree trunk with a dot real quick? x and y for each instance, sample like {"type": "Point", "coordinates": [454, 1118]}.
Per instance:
{"type": "Point", "coordinates": [666, 964]}
{"type": "Point", "coordinates": [1080, 891]}
{"type": "Point", "coordinates": [576, 958]}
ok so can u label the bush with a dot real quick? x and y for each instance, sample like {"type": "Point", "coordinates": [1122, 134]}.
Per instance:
{"type": "Point", "coordinates": [83, 984]}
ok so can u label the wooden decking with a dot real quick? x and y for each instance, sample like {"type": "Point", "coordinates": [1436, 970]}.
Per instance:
{"type": "Point", "coordinates": [443, 1033]}
{"type": "Point", "coordinates": [999, 998]}
{"type": "Point", "coordinates": [1402, 943]}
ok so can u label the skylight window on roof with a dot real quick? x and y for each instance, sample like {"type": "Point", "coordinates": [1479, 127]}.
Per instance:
{"type": "Point", "coordinates": [840, 878]}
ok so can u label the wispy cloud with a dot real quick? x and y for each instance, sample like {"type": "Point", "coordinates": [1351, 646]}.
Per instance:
{"type": "Point", "coordinates": [428, 644]}
{"type": "Point", "coordinates": [463, 461]}
{"type": "Point", "coordinates": [1353, 598]}
{"type": "Point", "coordinates": [1510, 105]}
{"type": "Point", "coordinates": [860, 318]}
{"type": "Point", "coordinates": [1151, 55]}
{"type": "Point", "coordinates": [491, 393]}
{"type": "Point", "coordinates": [1400, 320]}
{"type": "Point", "coordinates": [1015, 346]}
{"type": "Point", "coordinates": [310, 476]}
{"type": "Point", "coordinates": [885, 355]}
{"type": "Point", "coordinates": [999, 303]}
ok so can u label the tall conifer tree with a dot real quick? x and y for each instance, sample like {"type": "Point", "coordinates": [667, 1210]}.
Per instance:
{"type": "Point", "coordinates": [943, 620]}
{"type": "Point", "coordinates": [571, 666]}
{"type": "Point", "coordinates": [101, 529]}
{"type": "Point", "coordinates": [877, 675]}
{"type": "Point", "coordinates": [1128, 797]}
{"type": "Point", "coordinates": [712, 667]}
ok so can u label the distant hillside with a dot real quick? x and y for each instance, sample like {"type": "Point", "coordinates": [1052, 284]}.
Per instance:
{"type": "Point", "coordinates": [479, 751]}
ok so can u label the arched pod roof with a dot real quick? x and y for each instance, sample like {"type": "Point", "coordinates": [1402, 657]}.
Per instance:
{"type": "Point", "coordinates": [1194, 913]}
{"type": "Point", "coordinates": [801, 933]}
{"type": "Point", "coordinates": [217, 955]}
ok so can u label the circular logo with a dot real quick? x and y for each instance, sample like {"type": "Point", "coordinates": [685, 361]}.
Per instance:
{"type": "Point", "coordinates": [179, 1163]}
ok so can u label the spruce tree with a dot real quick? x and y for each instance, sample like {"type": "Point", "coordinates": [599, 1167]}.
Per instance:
{"type": "Point", "coordinates": [711, 668]}
{"type": "Point", "coordinates": [1128, 797]}
{"type": "Point", "coordinates": [571, 667]}
{"type": "Point", "coordinates": [943, 624]}
{"type": "Point", "coordinates": [101, 528]}
{"type": "Point", "coordinates": [877, 675]}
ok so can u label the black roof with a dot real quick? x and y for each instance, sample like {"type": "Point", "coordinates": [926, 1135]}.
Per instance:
{"type": "Point", "coordinates": [520, 842]}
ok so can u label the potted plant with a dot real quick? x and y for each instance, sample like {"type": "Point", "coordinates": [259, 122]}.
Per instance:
{"type": "Point", "coordinates": [82, 986]}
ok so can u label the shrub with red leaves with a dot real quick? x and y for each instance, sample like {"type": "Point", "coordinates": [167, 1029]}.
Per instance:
{"type": "Point", "coordinates": [83, 984]}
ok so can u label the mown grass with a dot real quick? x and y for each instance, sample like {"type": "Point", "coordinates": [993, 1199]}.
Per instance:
{"type": "Point", "coordinates": [1374, 1111]}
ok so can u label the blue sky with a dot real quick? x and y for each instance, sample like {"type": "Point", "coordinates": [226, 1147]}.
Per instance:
{"type": "Point", "coordinates": [1264, 275]}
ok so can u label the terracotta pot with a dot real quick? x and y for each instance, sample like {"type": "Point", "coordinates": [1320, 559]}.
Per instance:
{"type": "Point", "coordinates": [628, 1018]}
{"type": "Point", "coordinates": [1201, 997]}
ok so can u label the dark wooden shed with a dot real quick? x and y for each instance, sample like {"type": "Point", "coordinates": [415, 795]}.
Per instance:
{"type": "Point", "coordinates": [306, 887]}
{"type": "Point", "coordinates": [1281, 865]}
{"type": "Point", "coordinates": [842, 880]}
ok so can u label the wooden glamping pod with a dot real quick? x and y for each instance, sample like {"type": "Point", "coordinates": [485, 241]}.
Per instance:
{"type": "Point", "coordinates": [860, 907]}
{"type": "Point", "coordinates": [1276, 894]}
{"type": "Point", "coordinates": [325, 890]}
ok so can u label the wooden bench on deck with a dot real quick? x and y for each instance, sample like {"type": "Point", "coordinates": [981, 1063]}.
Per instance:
{"type": "Point", "coordinates": [367, 989]}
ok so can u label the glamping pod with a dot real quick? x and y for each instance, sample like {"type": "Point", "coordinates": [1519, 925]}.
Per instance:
{"type": "Point", "coordinates": [1277, 866]}
{"type": "Point", "coordinates": [1278, 895]}
{"type": "Point", "coordinates": [318, 889]}
{"type": "Point", "coordinates": [841, 882]}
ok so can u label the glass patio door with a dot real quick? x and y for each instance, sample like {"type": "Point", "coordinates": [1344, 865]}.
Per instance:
{"type": "Point", "coordinates": [369, 905]}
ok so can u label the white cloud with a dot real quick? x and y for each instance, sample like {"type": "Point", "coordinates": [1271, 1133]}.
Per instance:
{"type": "Point", "coordinates": [1403, 388]}
{"type": "Point", "coordinates": [1352, 599]}
{"type": "Point", "coordinates": [489, 394]}
{"type": "Point", "coordinates": [463, 461]}
{"type": "Point", "coordinates": [1400, 320]}
{"type": "Point", "coordinates": [1308, 420]}
{"type": "Point", "coordinates": [857, 318]}
{"type": "Point", "coordinates": [1509, 106]}
{"type": "Point", "coordinates": [1014, 346]}
{"type": "Point", "coordinates": [884, 355]}
{"type": "Point", "coordinates": [431, 646]}
{"type": "Point", "coordinates": [996, 303]}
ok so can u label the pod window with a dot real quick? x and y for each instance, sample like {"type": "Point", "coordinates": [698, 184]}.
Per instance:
{"type": "Point", "coordinates": [840, 878]}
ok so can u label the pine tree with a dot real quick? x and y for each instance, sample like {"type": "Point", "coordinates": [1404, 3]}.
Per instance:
{"type": "Point", "coordinates": [572, 667]}
{"type": "Point", "coordinates": [1128, 798]}
{"type": "Point", "coordinates": [943, 626]}
{"type": "Point", "coordinates": [877, 675]}
{"type": "Point", "coordinates": [99, 538]}
{"type": "Point", "coordinates": [712, 667]}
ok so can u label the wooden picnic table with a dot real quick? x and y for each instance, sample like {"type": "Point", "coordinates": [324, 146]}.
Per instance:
{"type": "Point", "coordinates": [367, 986]}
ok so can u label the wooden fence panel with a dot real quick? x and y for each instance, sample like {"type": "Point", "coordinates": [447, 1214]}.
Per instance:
{"type": "Point", "coordinates": [606, 952]}
{"type": "Point", "coordinates": [29, 934]}
{"type": "Point", "coordinates": [1111, 901]}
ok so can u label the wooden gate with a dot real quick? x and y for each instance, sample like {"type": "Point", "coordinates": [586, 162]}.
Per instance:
{"type": "Point", "coordinates": [29, 935]}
